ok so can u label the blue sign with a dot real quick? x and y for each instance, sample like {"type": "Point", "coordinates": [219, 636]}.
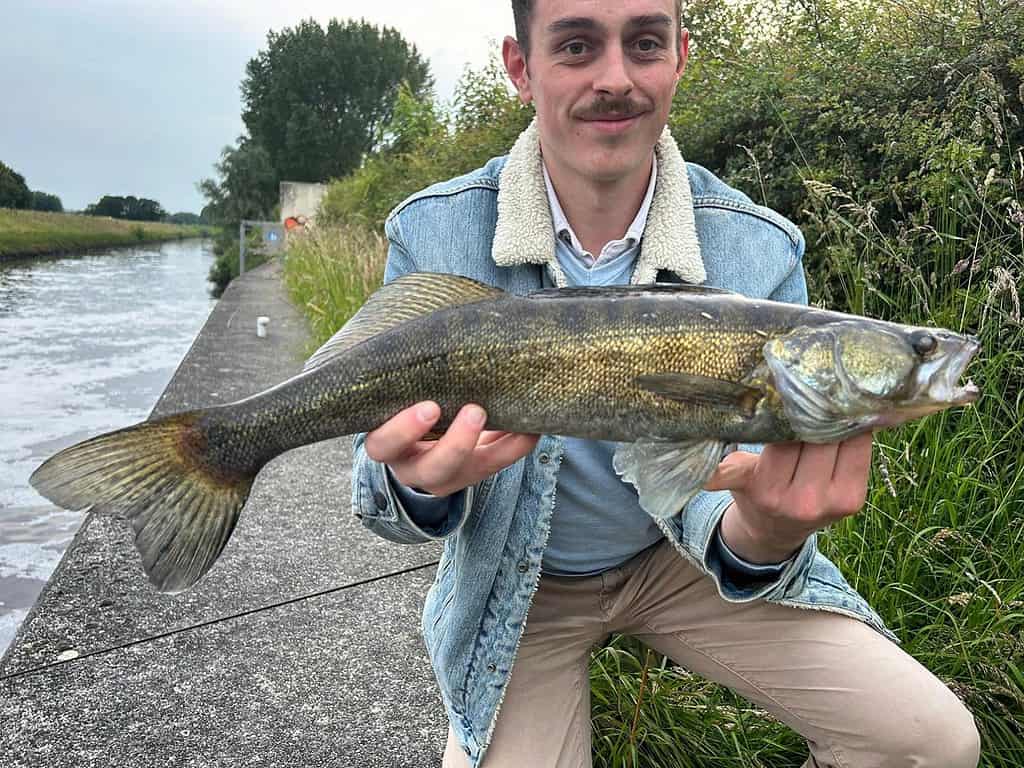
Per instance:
{"type": "Point", "coordinates": [272, 236]}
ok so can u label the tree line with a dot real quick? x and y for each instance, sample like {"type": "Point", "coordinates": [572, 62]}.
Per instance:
{"type": "Point", "coordinates": [15, 193]}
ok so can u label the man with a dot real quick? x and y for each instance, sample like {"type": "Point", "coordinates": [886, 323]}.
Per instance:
{"type": "Point", "coordinates": [596, 192]}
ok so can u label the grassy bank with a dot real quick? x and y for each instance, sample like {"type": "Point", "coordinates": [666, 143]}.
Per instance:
{"type": "Point", "coordinates": [27, 233]}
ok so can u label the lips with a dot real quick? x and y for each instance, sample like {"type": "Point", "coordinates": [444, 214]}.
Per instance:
{"type": "Point", "coordinates": [613, 123]}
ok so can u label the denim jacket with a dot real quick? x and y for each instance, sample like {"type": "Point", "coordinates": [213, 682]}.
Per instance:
{"type": "Point", "coordinates": [494, 225]}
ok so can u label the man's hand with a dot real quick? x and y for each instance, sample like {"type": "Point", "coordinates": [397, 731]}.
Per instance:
{"type": "Point", "coordinates": [465, 455]}
{"type": "Point", "coordinates": [789, 491]}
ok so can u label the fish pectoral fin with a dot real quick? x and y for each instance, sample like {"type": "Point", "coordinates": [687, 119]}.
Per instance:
{"type": "Point", "coordinates": [702, 390]}
{"type": "Point", "coordinates": [667, 475]}
{"type": "Point", "coordinates": [408, 297]}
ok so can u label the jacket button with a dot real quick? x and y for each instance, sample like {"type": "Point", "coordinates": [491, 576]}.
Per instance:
{"type": "Point", "coordinates": [522, 567]}
{"type": "Point", "coordinates": [492, 668]}
{"type": "Point", "coordinates": [380, 500]}
{"type": "Point", "coordinates": [467, 750]}
{"type": "Point", "coordinates": [543, 458]}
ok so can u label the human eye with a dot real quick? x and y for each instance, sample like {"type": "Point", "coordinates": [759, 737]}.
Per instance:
{"type": "Point", "coordinates": [575, 48]}
{"type": "Point", "coordinates": [648, 46]}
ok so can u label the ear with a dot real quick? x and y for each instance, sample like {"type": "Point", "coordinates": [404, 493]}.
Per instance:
{"type": "Point", "coordinates": [515, 65]}
{"type": "Point", "coordinates": [684, 52]}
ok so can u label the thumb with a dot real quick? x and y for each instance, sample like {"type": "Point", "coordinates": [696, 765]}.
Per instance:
{"type": "Point", "coordinates": [734, 473]}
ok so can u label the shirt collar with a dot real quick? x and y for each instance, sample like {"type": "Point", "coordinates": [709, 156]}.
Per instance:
{"type": "Point", "coordinates": [634, 233]}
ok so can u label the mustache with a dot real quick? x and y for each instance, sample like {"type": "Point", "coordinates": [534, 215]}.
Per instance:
{"type": "Point", "coordinates": [625, 106]}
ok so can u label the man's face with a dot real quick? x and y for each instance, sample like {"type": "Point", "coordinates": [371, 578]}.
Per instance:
{"type": "Point", "coordinates": [602, 75]}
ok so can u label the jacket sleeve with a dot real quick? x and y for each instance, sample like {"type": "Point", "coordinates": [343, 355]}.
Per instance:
{"type": "Point", "coordinates": [382, 504]}
{"type": "Point", "coordinates": [703, 515]}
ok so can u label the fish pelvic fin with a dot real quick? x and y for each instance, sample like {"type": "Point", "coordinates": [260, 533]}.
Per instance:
{"type": "Point", "coordinates": [667, 475]}
{"type": "Point", "coordinates": [182, 506]}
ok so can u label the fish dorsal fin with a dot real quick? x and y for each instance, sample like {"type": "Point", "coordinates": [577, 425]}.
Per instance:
{"type": "Point", "coordinates": [408, 297]}
{"type": "Point", "coordinates": [702, 390]}
{"type": "Point", "coordinates": [624, 291]}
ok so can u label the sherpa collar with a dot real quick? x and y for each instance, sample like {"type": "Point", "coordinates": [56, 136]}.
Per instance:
{"type": "Point", "coordinates": [525, 233]}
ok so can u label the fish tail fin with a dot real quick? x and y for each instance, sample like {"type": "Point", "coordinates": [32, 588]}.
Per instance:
{"type": "Point", "coordinates": [182, 504]}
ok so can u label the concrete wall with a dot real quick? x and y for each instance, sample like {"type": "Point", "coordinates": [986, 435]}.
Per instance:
{"type": "Point", "coordinates": [299, 202]}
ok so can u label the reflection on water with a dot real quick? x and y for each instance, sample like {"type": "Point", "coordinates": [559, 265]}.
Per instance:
{"type": "Point", "coordinates": [88, 345]}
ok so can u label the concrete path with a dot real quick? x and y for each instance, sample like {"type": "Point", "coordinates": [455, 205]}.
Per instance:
{"type": "Point", "coordinates": [301, 647]}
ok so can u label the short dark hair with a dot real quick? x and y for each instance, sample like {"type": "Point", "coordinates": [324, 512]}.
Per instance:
{"type": "Point", "coordinates": [522, 10]}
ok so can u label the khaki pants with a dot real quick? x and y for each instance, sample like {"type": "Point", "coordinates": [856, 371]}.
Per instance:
{"type": "Point", "coordinates": [855, 696]}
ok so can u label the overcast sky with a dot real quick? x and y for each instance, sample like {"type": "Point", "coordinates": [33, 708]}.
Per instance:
{"type": "Point", "coordinates": [130, 97]}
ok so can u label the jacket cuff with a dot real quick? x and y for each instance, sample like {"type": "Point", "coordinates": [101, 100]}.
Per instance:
{"type": "Point", "coordinates": [381, 509]}
{"type": "Point", "coordinates": [736, 563]}
{"type": "Point", "coordinates": [701, 521]}
{"type": "Point", "coordinates": [434, 514]}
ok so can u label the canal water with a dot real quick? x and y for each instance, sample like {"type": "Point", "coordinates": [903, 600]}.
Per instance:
{"type": "Point", "coordinates": [87, 344]}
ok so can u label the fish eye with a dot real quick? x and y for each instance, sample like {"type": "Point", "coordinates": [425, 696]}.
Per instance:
{"type": "Point", "coordinates": [923, 343]}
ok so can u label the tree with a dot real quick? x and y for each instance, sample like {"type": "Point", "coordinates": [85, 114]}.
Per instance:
{"type": "Point", "coordinates": [130, 208]}
{"type": "Point", "coordinates": [317, 100]}
{"type": "Point", "coordinates": [247, 186]}
{"type": "Point", "coordinates": [41, 201]}
{"type": "Point", "coordinates": [184, 217]}
{"type": "Point", "coordinates": [14, 193]}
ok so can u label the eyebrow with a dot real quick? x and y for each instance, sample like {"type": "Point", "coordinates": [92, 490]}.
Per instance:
{"type": "Point", "coordinates": [584, 24]}
{"type": "Point", "coordinates": [573, 24]}
{"type": "Point", "coordinates": [652, 20]}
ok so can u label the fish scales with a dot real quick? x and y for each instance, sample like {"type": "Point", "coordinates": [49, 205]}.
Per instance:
{"type": "Point", "coordinates": [566, 366]}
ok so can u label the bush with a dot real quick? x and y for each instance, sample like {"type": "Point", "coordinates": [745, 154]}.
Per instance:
{"type": "Point", "coordinates": [428, 146]}
{"type": "Point", "coordinates": [227, 257]}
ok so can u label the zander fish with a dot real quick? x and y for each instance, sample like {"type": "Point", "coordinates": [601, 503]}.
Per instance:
{"type": "Point", "coordinates": [672, 372]}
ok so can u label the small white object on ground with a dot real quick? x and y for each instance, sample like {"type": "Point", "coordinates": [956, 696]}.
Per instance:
{"type": "Point", "coordinates": [261, 326]}
{"type": "Point", "coordinates": [68, 655]}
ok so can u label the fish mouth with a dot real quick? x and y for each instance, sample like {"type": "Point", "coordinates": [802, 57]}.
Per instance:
{"type": "Point", "coordinates": [942, 388]}
{"type": "Point", "coordinates": [937, 384]}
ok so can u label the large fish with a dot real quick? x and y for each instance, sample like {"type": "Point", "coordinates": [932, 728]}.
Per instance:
{"type": "Point", "coordinates": [672, 372]}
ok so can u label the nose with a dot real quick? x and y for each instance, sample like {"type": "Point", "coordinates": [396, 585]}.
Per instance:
{"type": "Point", "coordinates": [612, 77]}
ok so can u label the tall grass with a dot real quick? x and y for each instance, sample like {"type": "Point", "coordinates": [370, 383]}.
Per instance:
{"type": "Point", "coordinates": [330, 272]}
{"type": "Point", "coordinates": [26, 233]}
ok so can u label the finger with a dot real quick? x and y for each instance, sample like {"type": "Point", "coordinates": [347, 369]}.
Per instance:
{"type": "Point", "coordinates": [854, 458]}
{"type": "Point", "coordinates": [396, 437]}
{"type": "Point", "coordinates": [776, 468]}
{"type": "Point", "coordinates": [489, 436]}
{"type": "Point", "coordinates": [734, 473]}
{"type": "Point", "coordinates": [850, 477]}
{"type": "Point", "coordinates": [815, 465]}
{"type": "Point", "coordinates": [437, 467]}
{"type": "Point", "coordinates": [505, 451]}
